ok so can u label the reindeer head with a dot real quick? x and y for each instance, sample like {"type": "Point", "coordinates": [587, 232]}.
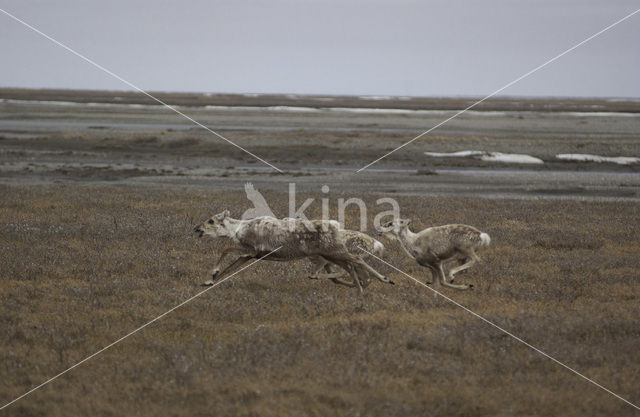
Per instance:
{"type": "Point", "coordinates": [393, 228]}
{"type": "Point", "coordinates": [216, 226]}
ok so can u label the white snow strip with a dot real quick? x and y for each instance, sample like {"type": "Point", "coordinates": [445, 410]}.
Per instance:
{"type": "Point", "coordinates": [599, 114]}
{"type": "Point", "coordinates": [384, 98]}
{"type": "Point", "coordinates": [622, 99]}
{"type": "Point", "coordinates": [362, 110]}
{"type": "Point", "coordinates": [133, 105]}
{"type": "Point", "coordinates": [459, 154]}
{"type": "Point", "coordinates": [294, 109]}
{"type": "Point", "coordinates": [621, 160]}
{"type": "Point", "coordinates": [366, 110]}
{"type": "Point", "coordinates": [510, 158]}
{"type": "Point", "coordinates": [75, 103]}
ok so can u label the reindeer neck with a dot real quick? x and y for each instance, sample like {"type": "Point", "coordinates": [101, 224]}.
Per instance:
{"type": "Point", "coordinates": [407, 235]}
{"type": "Point", "coordinates": [232, 226]}
{"type": "Point", "coordinates": [407, 238]}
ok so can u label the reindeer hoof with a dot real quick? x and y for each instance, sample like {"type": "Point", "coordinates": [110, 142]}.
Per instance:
{"type": "Point", "coordinates": [470, 286]}
{"type": "Point", "coordinates": [391, 282]}
{"type": "Point", "coordinates": [428, 282]}
{"type": "Point", "coordinates": [207, 283]}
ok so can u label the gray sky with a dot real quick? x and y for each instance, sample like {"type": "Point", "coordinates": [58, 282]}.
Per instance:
{"type": "Point", "coordinates": [399, 47]}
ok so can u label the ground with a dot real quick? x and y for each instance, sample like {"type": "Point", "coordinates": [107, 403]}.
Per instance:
{"type": "Point", "coordinates": [93, 253]}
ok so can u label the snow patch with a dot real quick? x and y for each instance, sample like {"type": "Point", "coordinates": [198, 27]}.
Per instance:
{"type": "Point", "coordinates": [384, 98]}
{"type": "Point", "coordinates": [79, 104]}
{"type": "Point", "coordinates": [362, 110]}
{"type": "Point", "coordinates": [510, 158]}
{"type": "Point", "coordinates": [621, 99]}
{"type": "Point", "coordinates": [459, 154]}
{"type": "Point", "coordinates": [264, 108]}
{"type": "Point", "coordinates": [620, 160]}
{"type": "Point", "coordinates": [600, 114]}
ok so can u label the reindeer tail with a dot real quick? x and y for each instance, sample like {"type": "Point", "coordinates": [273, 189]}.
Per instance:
{"type": "Point", "coordinates": [378, 248]}
{"type": "Point", "coordinates": [485, 240]}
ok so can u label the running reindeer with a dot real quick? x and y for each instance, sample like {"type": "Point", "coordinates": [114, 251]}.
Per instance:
{"type": "Point", "coordinates": [435, 246]}
{"type": "Point", "coordinates": [289, 239]}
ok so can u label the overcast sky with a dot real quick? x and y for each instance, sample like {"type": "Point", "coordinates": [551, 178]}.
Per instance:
{"type": "Point", "coordinates": [393, 47]}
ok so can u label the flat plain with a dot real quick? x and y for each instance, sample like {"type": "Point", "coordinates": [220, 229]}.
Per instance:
{"type": "Point", "coordinates": [96, 240]}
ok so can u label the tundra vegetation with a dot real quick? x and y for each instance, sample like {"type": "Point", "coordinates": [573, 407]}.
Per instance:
{"type": "Point", "coordinates": [82, 266]}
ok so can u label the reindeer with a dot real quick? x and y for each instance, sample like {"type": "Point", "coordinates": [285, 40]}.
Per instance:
{"type": "Point", "coordinates": [354, 241]}
{"type": "Point", "coordinates": [435, 246]}
{"type": "Point", "coordinates": [295, 239]}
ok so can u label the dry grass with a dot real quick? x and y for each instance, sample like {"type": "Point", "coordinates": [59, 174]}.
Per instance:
{"type": "Point", "coordinates": [82, 266]}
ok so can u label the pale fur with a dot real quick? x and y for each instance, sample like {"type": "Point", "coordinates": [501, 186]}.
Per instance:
{"type": "Point", "coordinates": [289, 238]}
{"type": "Point", "coordinates": [435, 246]}
{"type": "Point", "coordinates": [355, 241]}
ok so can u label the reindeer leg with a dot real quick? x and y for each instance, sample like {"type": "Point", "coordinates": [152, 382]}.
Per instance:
{"type": "Point", "coordinates": [444, 282]}
{"type": "Point", "coordinates": [364, 276]}
{"type": "Point", "coordinates": [330, 272]}
{"type": "Point", "coordinates": [457, 261]}
{"type": "Point", "coordinates": [320, 264]}
{"type": "Point", "coordinates": [340, 281]}
{"type": "Point", "coordinates": [332, 275]}
{"type": "Point", "coordinates": [216, 268]}
{"type": "Point", "coordinates": [234, 266]}
{"type": "Point", "coordinates": [336, 278]}
{"type": "Point", "coordinates": [373, 272]}
{"type": "Point", "coordinates": [367, 280]}
{"type": "Point", "coordinates": [435, 277]}
{"type": "Point", "coordinates": [470, 262]}
{"type": "Point", "coordinates": [351, 269]}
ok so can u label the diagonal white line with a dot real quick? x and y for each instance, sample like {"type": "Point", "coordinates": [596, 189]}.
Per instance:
{"type": "Point", "coordinates": [136, 330]}
{"type": "Point", "coordinates": [503, 330]}
{"type": "Point", "coordinates": [502, 88]}
{"type": "Point", "coordinates": [100, 67]}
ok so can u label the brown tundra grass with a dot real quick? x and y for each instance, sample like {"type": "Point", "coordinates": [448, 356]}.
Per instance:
{"type": "Point", "coordinates": [82, 266]}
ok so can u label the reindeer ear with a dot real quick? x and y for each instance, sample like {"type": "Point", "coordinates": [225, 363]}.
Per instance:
{"type": "Point", "coordinates": [407, 221]}
{"type": "Point", "coordinates": [225, 214]}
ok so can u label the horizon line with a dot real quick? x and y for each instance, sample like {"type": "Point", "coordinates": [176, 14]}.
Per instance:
{"type": "Point", "coordinates": [366, 96]}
